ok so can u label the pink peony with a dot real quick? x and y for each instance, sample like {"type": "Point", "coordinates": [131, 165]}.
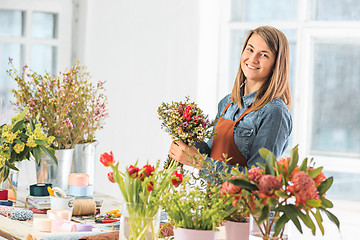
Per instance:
{"type": "Point", "coordinates": [268, 184]}
{"type": "Point", "coordinates": [255, 174]}
{"type": "Point", "coordinates": [304, 188]}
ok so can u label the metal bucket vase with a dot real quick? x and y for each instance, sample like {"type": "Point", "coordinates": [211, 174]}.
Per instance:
{"type": "Point", "coordinates": [57, 175]}
{"type": "Point", "coordinates": [84, 160]}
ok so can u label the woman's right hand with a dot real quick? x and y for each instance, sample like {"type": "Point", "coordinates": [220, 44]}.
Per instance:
{"type": "Point", "coordinates": [185, 154]}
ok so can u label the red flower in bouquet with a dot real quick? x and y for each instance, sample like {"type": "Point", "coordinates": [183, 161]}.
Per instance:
{"type": "Point", "coordinates": [255, 174]}
{"type": "Point", "coordinates": [150, 186]}
{"type": "Point", "coordinates": [304, 188]}
{"type": "Point", "coordinates": [231, 189]}
{"type": "Point", "coordinates": [176, 178]}
{"type": "Point", "coordinates": [268, 184]}
{"type": "Point", "coordinates": [107, 159]}
{"type": "Point", "coordinates": [110, 176]}
{"type": "Point", "coordinates": [133, 171]}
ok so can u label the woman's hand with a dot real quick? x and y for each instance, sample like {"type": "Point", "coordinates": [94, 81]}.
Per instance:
{"type": "Point", "coordinates": [185, 154]}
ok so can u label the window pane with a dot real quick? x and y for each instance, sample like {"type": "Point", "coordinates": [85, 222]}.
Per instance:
{"type": "Point", "coordinates": [336, 114]}
{"type": "Point", "coordinates": [335, 10]}
{"type": "Point", "coordinates": [12, 50]}
{"type": "Point", "coordinates": [345, 186]}
{"type": "Point", "coordinates": [43, 59]}
{"type": "Point", "coordinates": [263, 10]}
{"type": "Point", "coordinates": [44, 25]}
{"type": "Point", "coordinates": [11, 23]}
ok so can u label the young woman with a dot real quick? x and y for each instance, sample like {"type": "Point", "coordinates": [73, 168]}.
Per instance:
{"type": "Point", "coordinates": [256, 113]}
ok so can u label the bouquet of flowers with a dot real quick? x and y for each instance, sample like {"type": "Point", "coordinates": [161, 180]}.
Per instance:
{"type": "Point", "coordinates": [19, 140]}
{"type": "Point", "coordinates": [282, 190]}
{"type": "Point", "coordinates": [142, 189]}
{"type": "Point", "coordinates": [185, 122]}
{"type": "Point", "coordinates": [70, 107]}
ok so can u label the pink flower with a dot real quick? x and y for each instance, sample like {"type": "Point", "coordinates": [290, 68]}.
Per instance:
{"type": "Point", "coordinates": [304, 188]}
{"type": "Point", "coordinates": [255, 174]}
{"type": "Point", "coordinates": [231, 188]}
{"type": "Point", "coordinates": [268, 184]}
{"type": "Point", "coordinates": [107, 159]}
{"type": "Point", "coordinates": [110, 176]}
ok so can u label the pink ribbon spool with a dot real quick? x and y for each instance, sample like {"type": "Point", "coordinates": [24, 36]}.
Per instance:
{"type": "Point", "coordinates": [3, 195]}
{"type": "Point", "coordinates": [78, 179]}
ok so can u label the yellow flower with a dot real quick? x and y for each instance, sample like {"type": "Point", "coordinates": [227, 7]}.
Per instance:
{"type": "Point", "coordinates": [50, 140]}
{"type": "Point", "coordinates": [9, 136]}
{"type": "Point", "coordinates": [31, 141]}
{"type": "Point", "coordinates": [19, 147]}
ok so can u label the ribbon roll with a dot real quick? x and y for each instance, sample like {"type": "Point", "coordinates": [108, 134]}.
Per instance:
{"type": "Point", "coordinates": [6, 203]}
{"type": "Point", "coordinates": [3, 194]}
{"type": "Point", "coordinates": [4, 210]}
{"type": "Point", "coordinates": [40, 189]}
{"type": "Point", "coordinates": [84, 227]}
{"type": "Point", "coordinates": [21, 215]}
{"type": "Point", "coordinates": [57, 214]}
{"type": "Point", "coordinates": [78, 179]}
{"type": "Point", "coordinates": [62, 226]}
{"type": "Point", "coordinates": [42, 225]}
{"type": "Point", "coordinates": [81, 191]}
{"type": "Point", "coordinates": [83, 207]}
{"type": "Point", "coordinates": [58, 192]}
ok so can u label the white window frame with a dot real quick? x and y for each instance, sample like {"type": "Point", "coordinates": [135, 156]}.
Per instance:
{"type": "Point", "coordinates": [63, 8]}
{"type": "Point", "coordinates": [214, 61]}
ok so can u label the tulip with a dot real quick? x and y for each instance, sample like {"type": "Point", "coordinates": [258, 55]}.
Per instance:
{"type": "Point", "coordinates": [110, 176]}
{"type": "Point", "coordinates": [176, 179]}
{"type": "Point", "coordinates": [107, 159]}
{"type": "Point", "coordinates": [150, 186]}
{"type": "Point", "coordinates": [148, 170]}
{"type": "Point", "coordinates": [133, 171]}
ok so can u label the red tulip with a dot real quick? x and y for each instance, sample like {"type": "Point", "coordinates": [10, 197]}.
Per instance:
{"type": "Point", "coordinates": [148, 170]}
{"type": "Point", "coordinates": [107, 159]}
{"type": "Point", "coordinates": [110, 176]}
{"type": "Point", "coordinates": [176, 178]}
{"type": "Point", "coordinates": [150, 186]}
{"type": "Point", "coordinates": [133, 171]}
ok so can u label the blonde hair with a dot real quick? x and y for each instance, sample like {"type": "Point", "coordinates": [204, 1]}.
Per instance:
{"type": "Point", "coordinates": [278, 83]}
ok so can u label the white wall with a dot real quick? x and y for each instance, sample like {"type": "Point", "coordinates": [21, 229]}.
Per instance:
{"type": "Point", "coordinates": [147, 51]}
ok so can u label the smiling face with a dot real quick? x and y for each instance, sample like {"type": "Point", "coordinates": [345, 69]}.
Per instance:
{"type": "Point", "coordinates": [257, 60]}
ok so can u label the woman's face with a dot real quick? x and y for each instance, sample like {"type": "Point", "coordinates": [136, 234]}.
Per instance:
{"type": "Point", "coordinates": [257, 61]}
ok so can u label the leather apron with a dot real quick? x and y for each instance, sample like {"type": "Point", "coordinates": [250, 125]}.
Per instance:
{"type": "Point", "coordinates": [224, 143]}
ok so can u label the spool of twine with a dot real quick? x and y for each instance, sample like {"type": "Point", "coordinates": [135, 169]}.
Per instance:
{"type": "Point", "coordinates": [84, 207]}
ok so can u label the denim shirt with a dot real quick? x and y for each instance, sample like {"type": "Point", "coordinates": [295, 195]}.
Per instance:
{"type": "Point", "coordinates": [268, 127]}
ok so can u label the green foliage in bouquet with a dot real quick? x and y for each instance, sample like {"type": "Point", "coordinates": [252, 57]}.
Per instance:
{"type": "Point", "coordinates": [185, 122]}
{"type": "Point", "coordinates": [281, 190]}
{"type": "Point", "coordinates": [21, 139]}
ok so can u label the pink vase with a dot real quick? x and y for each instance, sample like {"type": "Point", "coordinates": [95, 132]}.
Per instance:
{"type": "Point", "coordinates": [193, 234]}
{"type": "Point", "coordinates": [237, 230]}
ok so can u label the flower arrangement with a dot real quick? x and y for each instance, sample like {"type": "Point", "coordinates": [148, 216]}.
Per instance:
{"type": "Point", "coordinates": [282, 190]}
{"type": "Point", "coordinates": [19, 140]}
{"type": "Point", "coordinates": [70, 107]}
{"type": "Point", "coordinates": [185, 122]}
{"type": "Point", "coordinates": [142, 189]}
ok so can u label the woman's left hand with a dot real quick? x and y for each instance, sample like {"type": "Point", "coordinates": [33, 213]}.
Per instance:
{"type": "Point", "coordinates": [184, 154]}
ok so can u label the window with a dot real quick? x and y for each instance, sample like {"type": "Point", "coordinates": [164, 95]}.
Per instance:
{"type": "Point", "coordinates": [36, 33]}
{"type": "Point", "coordinates": [324, 38]}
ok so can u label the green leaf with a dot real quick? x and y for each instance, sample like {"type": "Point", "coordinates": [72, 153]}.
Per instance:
{"type": "Point", "coordinates": [325, 185]}
{"type": "Point", "coordinates": [50, 153]}
{"type": "Point", "coordinates": [22, 115]}
{"type": "Point", "coordinates": [37, 155]}
{"type": "Point", "coordinates": [303, 165]}
{"type": "Point", "coordinates": [279, 225]}
{"type": "Point", "coordinates": [294, 158]}
{"type": "Point", "coordinates": [332, 218]}
{"type": "Point", "coordinates": [244, 184]}
{"type": "Point", "coordinates": [307, 221]}
{"type": "Point", "coordinates": [319, 220]}
{"type": "Point", "coordinates": [313, 202]}
{"type": "Point", "coordinates": [270, 159]}
{"type": "Point", "coordinates": [281, 194]}
{"type": "Point", "coordinates": [40, 142]}
{"type": "Point", "coordinates": [315, 172]}
{"type": "Point", "coordinates": [18, 125]}
{"type": "Point", "coordinates": [12, 166]}
{"type": "Point", "coordinates": [265, 212]}
{"type": "Point", "coordinates": [291, 212]}
{"type": "Point", "coordinates": [325, 203]}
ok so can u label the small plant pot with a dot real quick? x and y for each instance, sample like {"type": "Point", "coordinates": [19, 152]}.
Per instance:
{"type": "Point", "coordinates": [237, 230]}
{"type": "Point", "coordinates": [193, 234]}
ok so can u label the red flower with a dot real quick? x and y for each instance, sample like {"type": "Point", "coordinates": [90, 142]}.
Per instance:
{"type": "Point", "coordinates": [107, 159]}
{"type": "Point", "coordinates": [148, 170]}
{"type": "Point", "coordinates": [176, 178]}
{"type": "Point", "coordinates": [150, 186]}
{"type": "Point", "coordinates": [268, 184]}
{"type": "Point", "coordinates": [304, 188]}
{"type": "Point", "coordinates": [133, 171]}
{"type": "Point", "coordinates": [319, 178]}
{"type": "Point", "coordinates": [255, 174]}
{"type": "Point", "coordinates": [110, 176]}
{"type": "Point", "coordinates": [231, 188]}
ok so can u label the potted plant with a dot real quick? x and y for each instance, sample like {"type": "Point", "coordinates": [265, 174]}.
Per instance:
{"type": "Point", "coordinates": [21, 139]}
{"type": "Point", "coordinates": [69, 107]}
{"type": "Point", "coordinates": [281, 190]}
{"type": "Point", "coordinates": [142, 190]}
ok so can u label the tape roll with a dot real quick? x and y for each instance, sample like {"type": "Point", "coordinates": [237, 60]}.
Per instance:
{"type": "Point", "coordinates": [68, 227]}
{"type": "Point", "coordinates": [84, 227]}
{"type": "Point", "coordinates": [58, 192]}
{"type": "Point", "coordinates": [83, 207]}
{"type": "Point", "coordinates": [21, 215]}
{"type": "Point", "coordinates": [3, 194]}
{"type": "Point", "coordinates": [81, 191]}
{"type": "Point", "coordinates": [40, 189]}
{"type": "Point", "coordinates": [79, 179]}
{"type": "Point", "coordinates": [6, 203]}
{"type": "Point", "coordinates": [42, 225]}
{"type": "Point", "coordinates": [59, 214]}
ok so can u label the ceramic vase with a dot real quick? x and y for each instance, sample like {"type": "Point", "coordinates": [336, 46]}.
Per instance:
{"type": "Point", "coordinates": [193, 234]}
{"type": "Point", "coordinates": [237, 230]}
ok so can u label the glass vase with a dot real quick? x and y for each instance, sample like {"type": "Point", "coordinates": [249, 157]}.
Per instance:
{"type": "Point", "coordinates": [139, 222]}
{"type": "Point", "coordinates": [11, 184]}
{"type": "Point", "coordinates": [262, 232]}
